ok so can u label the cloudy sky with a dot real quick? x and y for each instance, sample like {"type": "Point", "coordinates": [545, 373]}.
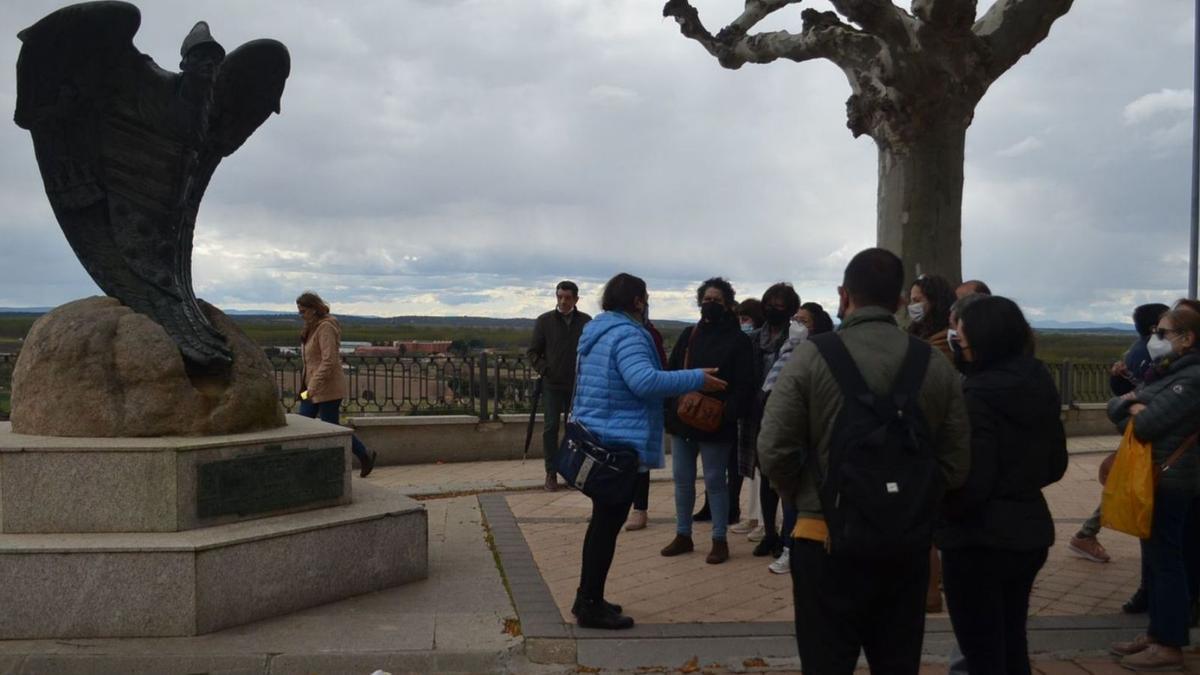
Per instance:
{"type": "Point", "coordinates": [458, 157]}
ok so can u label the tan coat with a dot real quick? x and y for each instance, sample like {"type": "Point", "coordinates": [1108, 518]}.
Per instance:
{"type": "Point", "coordinates": [322, 364]}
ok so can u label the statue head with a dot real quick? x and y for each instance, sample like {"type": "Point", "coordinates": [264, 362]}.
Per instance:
{"type": "Point", "coordinates": [202, 55]}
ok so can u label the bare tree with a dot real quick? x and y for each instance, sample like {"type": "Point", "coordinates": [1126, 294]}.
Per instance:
{"type": "Point", "coordinates": [916, 79]}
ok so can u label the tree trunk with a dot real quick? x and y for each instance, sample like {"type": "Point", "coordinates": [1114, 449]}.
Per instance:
{"type": "Point", "coordinates": [919, 206]}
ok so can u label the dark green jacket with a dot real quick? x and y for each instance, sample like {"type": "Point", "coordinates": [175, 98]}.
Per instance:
{"type": "Point", "coordinates": [1172, 413]}
{"type": "Point", "coordinates": [806, 400]}
{"type": "Point", "coordinates": [552, 352]}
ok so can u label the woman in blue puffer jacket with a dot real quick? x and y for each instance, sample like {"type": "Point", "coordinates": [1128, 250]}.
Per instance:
{"type": "Point", "coordinates": [619, 391]}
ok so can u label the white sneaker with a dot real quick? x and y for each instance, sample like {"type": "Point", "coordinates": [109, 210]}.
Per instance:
{"type": "Point", "coordinates": [743, 527]}
{"type": "Point", "coordinates": [783, 565]}
{"type": "Point", "coordinates": [758, 534]}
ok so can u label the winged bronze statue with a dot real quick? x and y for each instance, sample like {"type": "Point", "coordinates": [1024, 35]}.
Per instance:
{"type": "Point", "coordinates": [126, 150]}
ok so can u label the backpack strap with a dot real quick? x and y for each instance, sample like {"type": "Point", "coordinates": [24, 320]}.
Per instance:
{"type": "Point", "coordinates": [912, 372]}
{"type": "Point", "coordinates": [842, 365]}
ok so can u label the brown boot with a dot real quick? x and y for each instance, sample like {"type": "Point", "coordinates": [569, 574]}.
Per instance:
{"type": "Point", "coordinates": [719, 552]}
{"type": "Point", "coordinates": [678, 546]}
{"type": "Point", "coordinates": [551, 482]}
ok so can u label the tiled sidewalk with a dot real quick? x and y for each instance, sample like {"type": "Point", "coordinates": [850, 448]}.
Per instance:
{"type": "Point", "coordinates": [685, 589]}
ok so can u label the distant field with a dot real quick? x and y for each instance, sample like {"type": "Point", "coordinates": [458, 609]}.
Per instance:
{"type": "Point", "coordinates": [1058, 345]}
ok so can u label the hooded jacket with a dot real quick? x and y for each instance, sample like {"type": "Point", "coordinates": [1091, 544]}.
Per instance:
{"type": "Point", "coordinates": [322, 361]}
{"type": "Point", "coordinates": [620, 385]}
{"type": "Point", "coordinates": [805, 402]}
{"type": "Point", "coordinates": [1017, 448]}
{"type": "Point", "coordinates": [1172, 413]}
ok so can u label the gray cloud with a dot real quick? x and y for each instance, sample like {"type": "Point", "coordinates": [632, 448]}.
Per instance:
{"type": "Point", "coordinates": [451, 157]}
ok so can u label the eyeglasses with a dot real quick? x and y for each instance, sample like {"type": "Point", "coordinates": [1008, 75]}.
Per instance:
{"type": "Point", "coordinates": [1162, 333]}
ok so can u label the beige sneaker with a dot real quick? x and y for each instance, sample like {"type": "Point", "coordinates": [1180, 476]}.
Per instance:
{"type": "Point", "coordinates": [1088, 548]}
{"type": "Point", "coordinates": [1137, 644]}
{"type": "Point", "coordinates": [744, 527]}
{"type": "Point", "coordinates": [637, 521]}
{"type": "Point", "coordinates": [1154, 657]}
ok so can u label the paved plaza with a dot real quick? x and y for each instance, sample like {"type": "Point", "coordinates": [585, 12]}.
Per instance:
{"type": "Point", "coordinates": [504, 560]}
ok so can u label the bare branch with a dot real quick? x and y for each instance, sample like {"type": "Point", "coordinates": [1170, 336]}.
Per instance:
{"type": "Point", "coordinates": [946, 15]}
{"type": "Point", "coordinates": [1012, 28]}
{"type": "Point", "coordinates": [823, 36]}
{"type": "Point", "coordinates": [881, 18]}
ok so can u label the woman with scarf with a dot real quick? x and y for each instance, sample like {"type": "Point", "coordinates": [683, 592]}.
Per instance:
{"type": "Point", "coordinates": [717, 341]}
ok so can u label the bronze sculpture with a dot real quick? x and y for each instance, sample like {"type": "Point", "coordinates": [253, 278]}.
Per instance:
{"type": "Point", "coordinates": [126, 150]}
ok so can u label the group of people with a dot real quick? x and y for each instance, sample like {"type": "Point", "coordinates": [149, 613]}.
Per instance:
{"type": "Point", "coordinates": [907, 461]}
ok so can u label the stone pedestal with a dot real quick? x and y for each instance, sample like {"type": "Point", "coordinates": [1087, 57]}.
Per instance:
{"type": "Point", "coordinates": [182, 536]}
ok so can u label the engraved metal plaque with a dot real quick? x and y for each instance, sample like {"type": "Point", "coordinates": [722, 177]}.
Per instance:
{"type": "Point", "coordinates": [276, 479]}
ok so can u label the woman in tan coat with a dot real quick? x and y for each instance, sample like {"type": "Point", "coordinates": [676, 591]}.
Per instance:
{"type": "Point", "coordinates": [324, 385]}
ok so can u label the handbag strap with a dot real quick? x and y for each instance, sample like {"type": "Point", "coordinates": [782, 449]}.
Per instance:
{"type": "Point", "coordinates": [687, 353]}
{"type": "Point", "coordinates": [1187, 443]}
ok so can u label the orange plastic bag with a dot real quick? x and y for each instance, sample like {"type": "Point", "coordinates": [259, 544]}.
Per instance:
{"type": "Point", "coordinates": [1128, 502]}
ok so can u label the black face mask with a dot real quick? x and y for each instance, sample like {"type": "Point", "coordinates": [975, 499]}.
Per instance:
{"type": "Point", "coordinates": [776, 316]}
{"type": "Point", "coordinates": [712, 311]}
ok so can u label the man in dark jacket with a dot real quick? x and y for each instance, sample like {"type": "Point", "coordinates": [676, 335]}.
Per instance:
{"type": "Point", "coordinates": [848, 603]}
{"type": "Point", "coordinates": [552, 354]}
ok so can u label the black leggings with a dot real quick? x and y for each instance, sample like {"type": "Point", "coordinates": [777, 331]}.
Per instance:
{"type": "Point", "coordinates": [641, 492]}
{"type": "Point", "coordinates": [599, 544]}
{"type": "Point", "coordinates": [770, 501]}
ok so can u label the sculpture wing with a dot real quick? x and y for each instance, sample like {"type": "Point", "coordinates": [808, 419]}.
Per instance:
{"type": "Point", "coordinates": [115, 144]}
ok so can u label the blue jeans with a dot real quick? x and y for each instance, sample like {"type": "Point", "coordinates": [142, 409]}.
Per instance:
{"type": "Point", "coordinates": [328, 411]}
{"type": "Point", "coordinates": [1162, 553]}
{"type": "Point", "coordinates": [715, 456]}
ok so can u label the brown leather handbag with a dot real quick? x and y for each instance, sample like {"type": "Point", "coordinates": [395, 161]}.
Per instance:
{"type": "Point", "coordinates": [701, 412]}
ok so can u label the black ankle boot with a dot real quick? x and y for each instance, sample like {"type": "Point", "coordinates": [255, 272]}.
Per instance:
{"type": "Point", "coordinates": [597, 614]}
{"type": "Point", "coordinates": [1138, 603]}
{"type": "Point", "coordinates": [704, 515]}
{"type": "Point", "coordinates": [768, 546]}
{"type": "Point", "coordinates": [612, 607]}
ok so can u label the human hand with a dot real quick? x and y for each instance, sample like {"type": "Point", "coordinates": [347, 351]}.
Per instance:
{"type": "Point", "coordinates": [1119, 369]}
{"type": "Point", "coordinates": [1136, 408]}
{"type": "Point", "coordinates": [712, 382]}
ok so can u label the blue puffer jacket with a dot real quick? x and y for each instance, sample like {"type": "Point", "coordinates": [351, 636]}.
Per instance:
{"type": "Point", "coordinates": [620, 386]}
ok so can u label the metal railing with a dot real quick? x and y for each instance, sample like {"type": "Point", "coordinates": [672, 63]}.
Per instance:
{"type": "Point", "coordinates": [489, 385]}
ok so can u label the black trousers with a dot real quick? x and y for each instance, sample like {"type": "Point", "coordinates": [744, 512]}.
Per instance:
{"type": "Point", "coordinates": [599, 544]}
{"type": "Point", "coordinates": [987, 594]}
{"type": "Point", "coordinates": [641, 492]}
{"type": "Point", "coordinates": [843, 606]}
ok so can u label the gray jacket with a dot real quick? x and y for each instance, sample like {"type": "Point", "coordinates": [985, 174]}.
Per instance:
{"type": "Point", "coordinates": [806, 400]}
{"type": "Point", "coordinates": [1172, 413]}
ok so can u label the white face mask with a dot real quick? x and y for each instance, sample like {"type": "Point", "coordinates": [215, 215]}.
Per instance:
{"type": "Point", "coordinates": [797, 331]}
{"type": "Point", "coordinates": [916, 311]}
{"type": "Point", "coordinates": [747, 328]}
{"type": "Point", "coordinates": [1158, 347]}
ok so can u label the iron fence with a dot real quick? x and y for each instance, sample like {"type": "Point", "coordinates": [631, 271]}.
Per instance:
{"type": "Point", "coordinates": [489, 385]}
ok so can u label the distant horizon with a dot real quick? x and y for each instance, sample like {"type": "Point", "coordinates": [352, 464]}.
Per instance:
{"type": "Point", "coordinates": [1050, 324]}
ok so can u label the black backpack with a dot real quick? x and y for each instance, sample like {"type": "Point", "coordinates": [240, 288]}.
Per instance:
{"type": "Point", "coordinates": [884, 487]}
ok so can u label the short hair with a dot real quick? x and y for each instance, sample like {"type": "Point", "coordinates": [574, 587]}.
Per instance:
{"type": "Point", "coordinates": [310, 300]}
{"type": "Point", "coordinates": [721, 285]}
{"type": "Point", "coordinates": [1186, 317]}
{"type": "Point", "coordinates": [977, 286]}
{"type": "Point", "coordinates": [565, 285]}
{"type": "Point", "coordinates": [783, 291]}
{"type": "Point", "coordinates": [1145, 317]}
{"type": "Point", "coordinates": [940, 296]}
{"type": "Point", "coordinates": [751, 307]}
{"type": "Point", "coordinates": [621, 291]}
{"type": "Point", "coordinates": [822, 322]}
{"type": "Point", "coordinates": [874, 277]}
{"type": "Point", "coordinates": [996, 330]}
